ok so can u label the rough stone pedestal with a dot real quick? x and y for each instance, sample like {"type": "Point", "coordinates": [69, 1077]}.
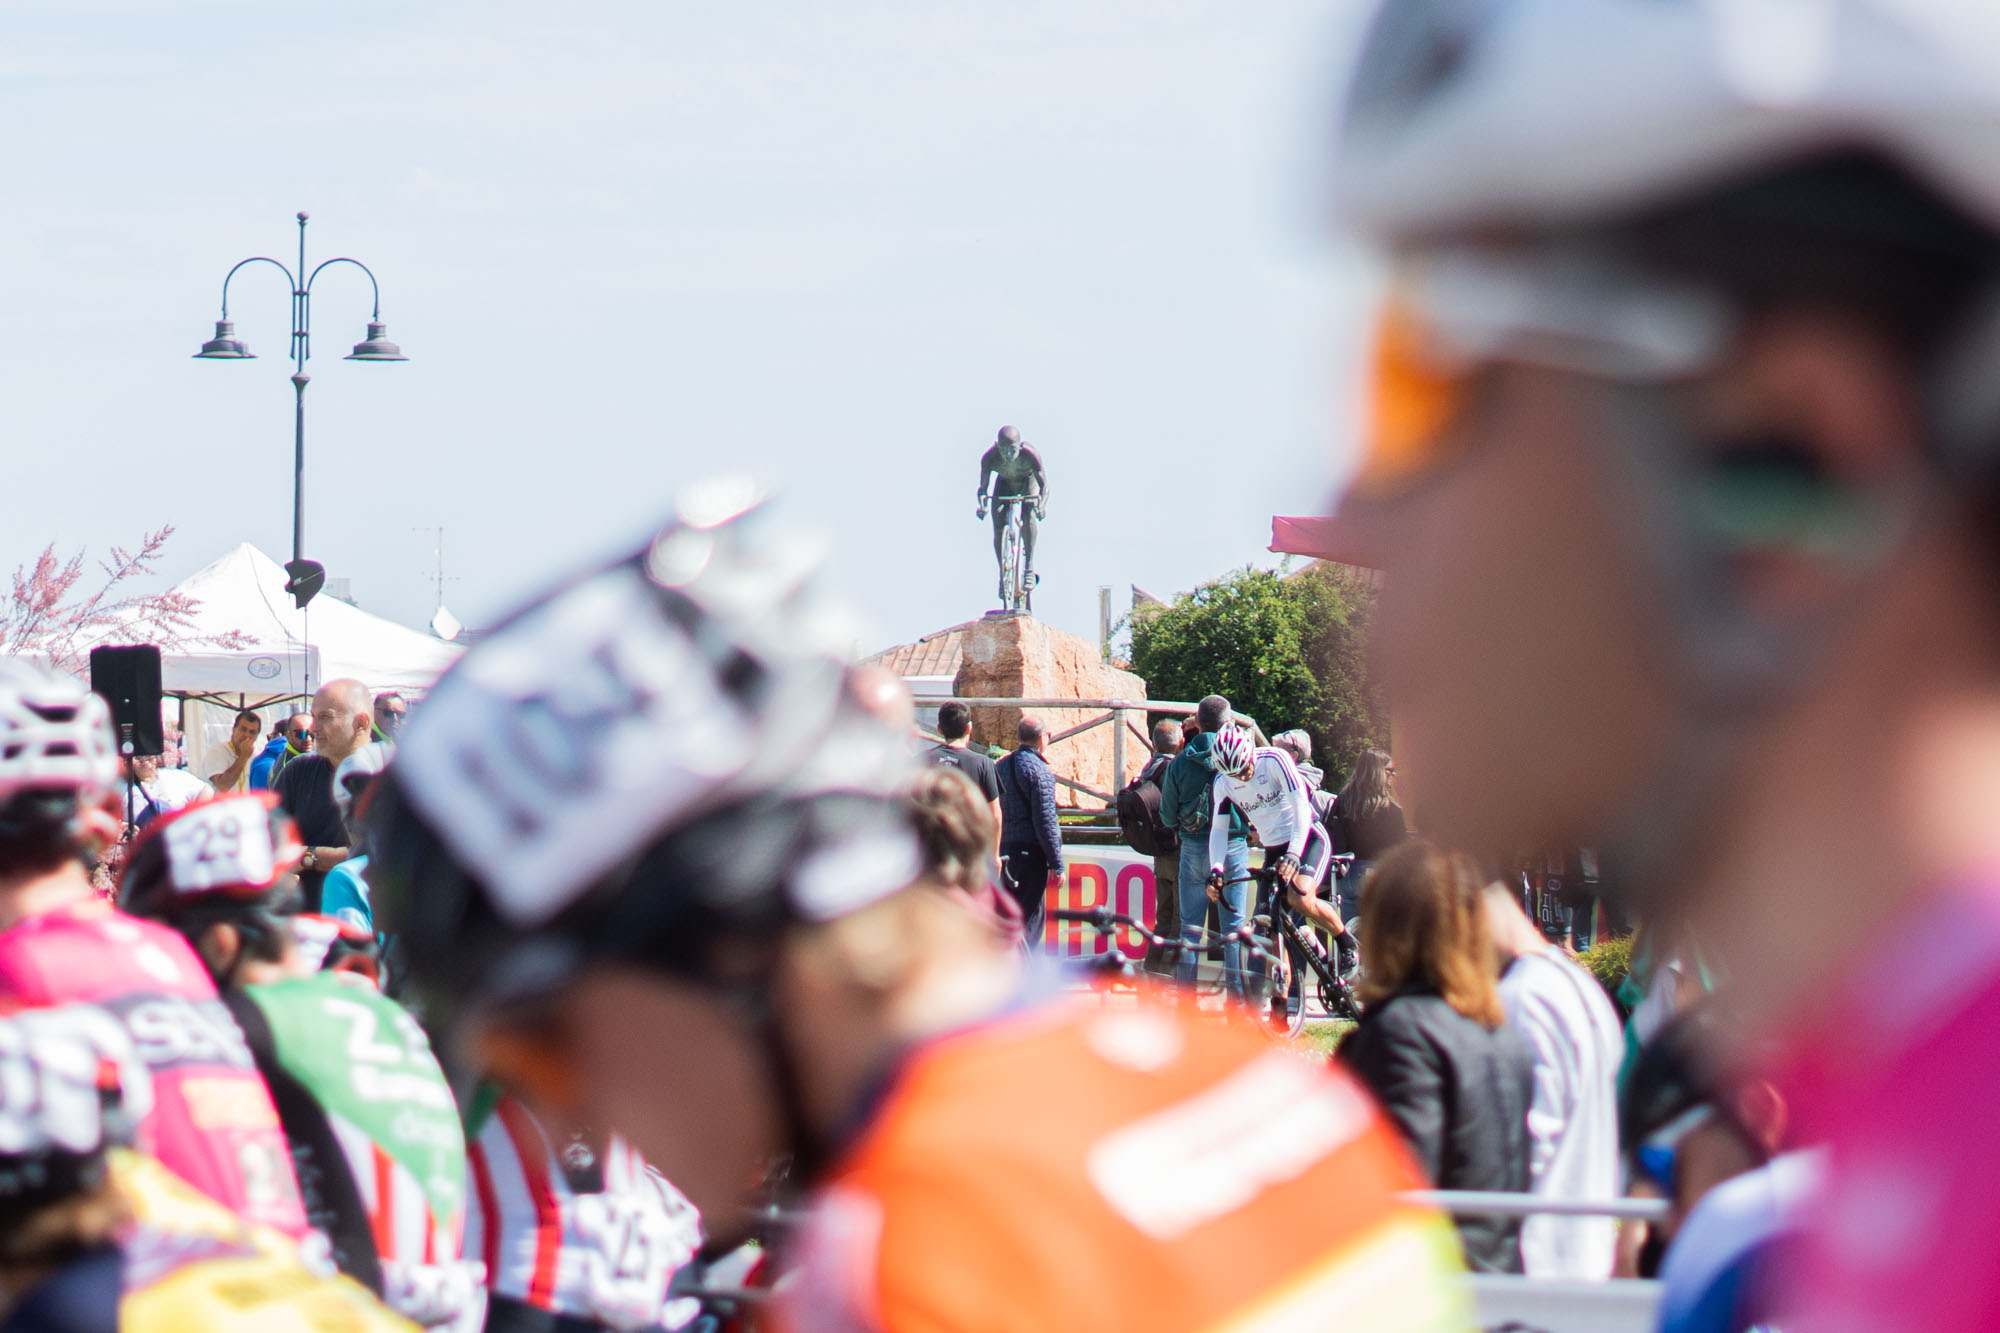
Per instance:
{"type": "Point", "coordinates": [1017, 656]}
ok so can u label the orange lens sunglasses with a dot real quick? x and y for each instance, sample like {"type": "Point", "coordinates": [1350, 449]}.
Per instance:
{"type": "Point", "coordinates": [1413, 398]}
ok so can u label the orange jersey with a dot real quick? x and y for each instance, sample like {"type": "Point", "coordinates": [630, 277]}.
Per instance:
{"type": "Point", "coordinates": [1077, 1167]}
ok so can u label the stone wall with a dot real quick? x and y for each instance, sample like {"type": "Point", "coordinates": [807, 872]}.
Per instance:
{"type": "Point", "coordinates": [1017, 656]}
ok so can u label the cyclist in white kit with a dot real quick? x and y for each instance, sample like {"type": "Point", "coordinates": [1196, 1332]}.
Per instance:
{"type": "Point", "coordinates": [1264, 784]}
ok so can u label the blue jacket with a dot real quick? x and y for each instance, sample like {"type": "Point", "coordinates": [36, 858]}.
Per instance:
{"type": "Point", "coordinates": [1028, 805]}
{"type": "Point", "coordinates": [266, 760]}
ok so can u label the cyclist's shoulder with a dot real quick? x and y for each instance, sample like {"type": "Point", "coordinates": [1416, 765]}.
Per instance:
{"type": "Point", "coordinates": [254, 1294]}
{"type": "Point", "coordinates": [89, 949]}
{"type": "Point", "coordinates": [310, 988]}
{"type": "Point", "coordinates": [1130, 1129]}
{"type": "Point", "coordinates": [1041, 1082]}
{"type": "Point", "coordinates": [1271, 760]}
{"type": "Point", "coordinates": [191, 1264]}
{"type": "Point", "coordinates": [367, 1027]}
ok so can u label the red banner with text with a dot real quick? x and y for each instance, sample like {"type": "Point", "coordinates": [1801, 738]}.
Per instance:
{"type": "Point", "coordinates": [1117, 877]}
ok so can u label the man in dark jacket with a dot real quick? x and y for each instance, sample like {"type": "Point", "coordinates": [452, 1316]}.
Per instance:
{"type": "Point", "coordinates": [1030, 838]}
{"type": "Point", "coordinates": [341, 724]}
{"type": "Point", "coordinates": [1184, 805]}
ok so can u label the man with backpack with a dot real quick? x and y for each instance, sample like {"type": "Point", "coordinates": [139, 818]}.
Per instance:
{"type": "Point", "coordinates": [1146, 832]}
{"type": "Point", "coordinates": [1185, 807]}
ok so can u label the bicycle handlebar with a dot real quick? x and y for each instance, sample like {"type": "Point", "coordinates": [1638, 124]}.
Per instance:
{"type": "Point", "coordinates": [1263, 874]}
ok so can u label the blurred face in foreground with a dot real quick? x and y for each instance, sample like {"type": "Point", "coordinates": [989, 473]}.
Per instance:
{"type": "Point", "coordinates": [1540, 676]}
{"type": "Point", "coordinates": [1515, 626]}
{"type": "Point", "coordinates": [675, 1070]}
{"type": "Point", "coordinates": [689, 1075]}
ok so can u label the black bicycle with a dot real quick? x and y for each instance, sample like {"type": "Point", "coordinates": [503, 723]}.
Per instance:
{"type": "Point", "coordinates": [1303, 954]}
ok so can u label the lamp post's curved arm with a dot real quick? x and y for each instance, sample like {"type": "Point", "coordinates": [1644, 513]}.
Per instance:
{"type": "Point", "coordinates": [372, 284]}
{"type": "Point", "coordinates": [254, 259]}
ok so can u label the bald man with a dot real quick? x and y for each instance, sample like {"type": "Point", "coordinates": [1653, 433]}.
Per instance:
{"type": "Point", "coordinates": [343, 718]}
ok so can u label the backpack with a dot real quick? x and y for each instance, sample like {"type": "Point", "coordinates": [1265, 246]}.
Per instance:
{"type": "Point", "coordinates": [1139, 812]}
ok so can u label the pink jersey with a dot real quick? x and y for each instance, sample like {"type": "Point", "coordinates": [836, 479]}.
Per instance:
{"type": "Point", "coordinates": [606, 1257]}
{"type": "Point", "coordinates": [213, 1121]}
{"type": "Point", "coordinates": [1900, 1076]}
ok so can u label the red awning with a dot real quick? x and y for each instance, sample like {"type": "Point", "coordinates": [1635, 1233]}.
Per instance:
{"type": "Point", "coordinates": [1319, 538]}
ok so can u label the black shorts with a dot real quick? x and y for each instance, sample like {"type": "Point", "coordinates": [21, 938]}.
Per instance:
{"type": "Point", "coordinates": [1314, 858]}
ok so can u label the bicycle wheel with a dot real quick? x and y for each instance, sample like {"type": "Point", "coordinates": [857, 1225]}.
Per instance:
{"type": "Point", "coordinates": [1277, 1011]}
{"type": "Point", "coordinates": [1010, 563]}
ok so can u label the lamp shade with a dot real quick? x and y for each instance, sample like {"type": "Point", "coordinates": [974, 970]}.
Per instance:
{"type": "Point", "coordinates": [225, 345]}
{"type": "Point", "coordinates": [377, 347]}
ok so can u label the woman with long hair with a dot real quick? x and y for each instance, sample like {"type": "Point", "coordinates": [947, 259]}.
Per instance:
{"type": "Point", "coordinates": [1433, 1042]}
{"type": "Point", "coordinates": [1367, 822]}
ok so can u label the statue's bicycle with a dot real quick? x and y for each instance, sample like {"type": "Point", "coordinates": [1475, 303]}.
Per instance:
{"type": "Point", "coordinates": [1017, 585]}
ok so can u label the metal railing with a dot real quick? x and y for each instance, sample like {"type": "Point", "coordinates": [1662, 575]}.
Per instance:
{"type": "Point", "coordinates": [1114, 715]}
{"type": "Point", "coordinates": [1495, 1203]}
{"type": "Point", "coordinates": [1520, 1304]}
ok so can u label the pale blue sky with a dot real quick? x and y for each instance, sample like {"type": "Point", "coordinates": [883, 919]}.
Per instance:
{"type": "Point", "coordinates": [628, 244]}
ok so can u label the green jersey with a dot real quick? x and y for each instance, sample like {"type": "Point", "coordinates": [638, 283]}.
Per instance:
{"type": "Point", "coordinates": [374, 1128]}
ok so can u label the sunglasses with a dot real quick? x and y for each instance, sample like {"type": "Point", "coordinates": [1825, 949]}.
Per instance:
{"type": "Point", "coordinates": [1455, 313]}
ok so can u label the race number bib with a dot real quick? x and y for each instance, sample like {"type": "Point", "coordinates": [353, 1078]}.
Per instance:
{"type": "Point", "coordinates": [588, 717]}
{"type": "Point", "coordinates": [221, 845]}
{"type": "Point", "coordinates": [631, 1249]}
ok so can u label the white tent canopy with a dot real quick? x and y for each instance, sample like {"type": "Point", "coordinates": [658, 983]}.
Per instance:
{"type": "Point", "coordinates": [288, 651]}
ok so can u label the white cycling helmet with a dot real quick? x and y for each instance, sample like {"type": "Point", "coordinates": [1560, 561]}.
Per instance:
{"type": "Point", "coordinates": [71, 1085]}
{"type": "Point", "coordinates": [1467, 113]}
{"type": "Point", "coordinates": [357, 771]}
{"type": "Point", "coordinates": [659, 752]}
{"type": "Point", "coordinates": [1234, 752]}
{"type": "Point", "coordinates": [54, 734]}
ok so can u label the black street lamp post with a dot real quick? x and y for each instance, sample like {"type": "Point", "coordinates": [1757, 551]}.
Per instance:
{"type": "Point", "coordinates": [306, 576]}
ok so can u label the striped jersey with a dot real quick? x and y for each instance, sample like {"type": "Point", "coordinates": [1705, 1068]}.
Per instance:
{"type": "Point", "coordinates": [375, 1132]}
{"type": "Point", "coordinates": [597, 1237]}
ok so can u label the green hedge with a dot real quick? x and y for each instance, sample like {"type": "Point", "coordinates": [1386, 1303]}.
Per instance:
{"type": "Point", "coordinates": [1609, 960]}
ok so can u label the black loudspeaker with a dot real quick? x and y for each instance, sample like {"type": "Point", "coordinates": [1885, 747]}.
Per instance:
{"type": "Point", "coordinates": [129, 680]}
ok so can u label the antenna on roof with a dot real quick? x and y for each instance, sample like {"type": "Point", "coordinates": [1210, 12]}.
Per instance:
{"type": "Point", "coordinates": [443, 623]}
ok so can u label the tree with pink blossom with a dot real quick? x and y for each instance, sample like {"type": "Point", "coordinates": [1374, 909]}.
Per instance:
{"type": "Point", "coordinates": [54, 614]}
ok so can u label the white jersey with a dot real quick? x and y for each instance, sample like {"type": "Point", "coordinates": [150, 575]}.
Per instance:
{"type": "Point", "coordinates": [1274, 798]}
{"type": "Point", "coordinates": [1573, 1120]}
